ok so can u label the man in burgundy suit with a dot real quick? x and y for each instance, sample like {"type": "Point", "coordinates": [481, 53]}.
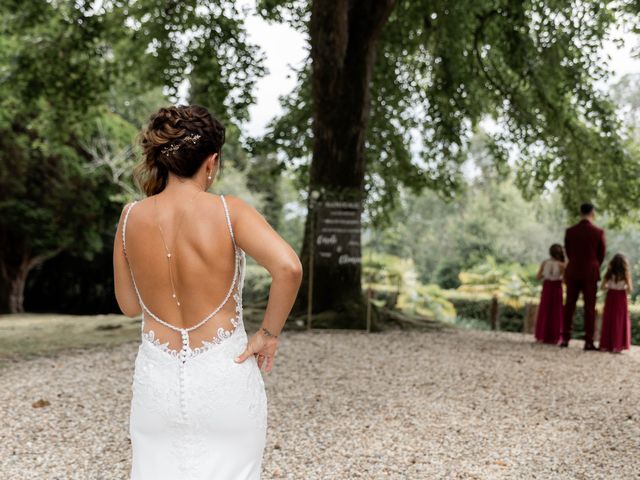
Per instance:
{"type": "Point", "coordinates": [585, 246]}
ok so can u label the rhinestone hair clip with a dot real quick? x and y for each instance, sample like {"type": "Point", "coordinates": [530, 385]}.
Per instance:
{"type": "Point", "coordinates": [172, 148]}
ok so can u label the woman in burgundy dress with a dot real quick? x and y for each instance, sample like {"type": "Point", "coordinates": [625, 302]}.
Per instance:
{"type": "Point", "coordinates": [549, 320]}
{"type": "Point", "coordinates": [615, 335]}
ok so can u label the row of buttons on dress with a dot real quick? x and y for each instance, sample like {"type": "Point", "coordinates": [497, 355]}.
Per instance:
{"type": "Point", "coordinates": [184, 353]}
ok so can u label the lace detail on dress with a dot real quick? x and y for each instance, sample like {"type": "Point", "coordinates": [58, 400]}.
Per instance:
{"type": "Point", "coordinates": [220, 336]}
{"type": "Point", "coordinates": [150, 337]}
{"type": "Point", "coordinates": [188, 448]}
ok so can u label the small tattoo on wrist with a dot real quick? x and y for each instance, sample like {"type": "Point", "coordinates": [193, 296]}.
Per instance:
{"type": "Point", "coordinates": [267, 333]}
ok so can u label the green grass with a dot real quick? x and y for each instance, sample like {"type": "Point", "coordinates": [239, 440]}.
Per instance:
{"type": "Point", "coordinates": [30, 335]}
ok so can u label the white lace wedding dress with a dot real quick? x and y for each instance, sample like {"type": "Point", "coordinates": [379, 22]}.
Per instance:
{"type": "Point", "coordinates": [196, 414]}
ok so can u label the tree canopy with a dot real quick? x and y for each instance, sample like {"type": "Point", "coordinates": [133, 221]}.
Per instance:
{"type": "Point", "coordinates": [533, 69]}
{"type": "Point", "coordinates": [412, 87]}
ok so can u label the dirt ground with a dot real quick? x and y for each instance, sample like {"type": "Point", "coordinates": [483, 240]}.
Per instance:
{"type": "Point", "coordinates": [399, 405]}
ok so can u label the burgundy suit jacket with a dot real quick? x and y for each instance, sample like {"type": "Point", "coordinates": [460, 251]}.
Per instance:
{"type": "Point", "coordinates": [585, 246]}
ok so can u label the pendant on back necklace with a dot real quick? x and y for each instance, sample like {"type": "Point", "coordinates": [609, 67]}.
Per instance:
{"type": "Point", "coordinates": [174, 294]}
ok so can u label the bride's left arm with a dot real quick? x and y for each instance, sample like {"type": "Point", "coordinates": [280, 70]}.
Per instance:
{"type": "Point", "coordinates": [122, 282]}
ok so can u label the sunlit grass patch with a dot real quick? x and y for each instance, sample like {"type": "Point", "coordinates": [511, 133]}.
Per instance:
{"type": "Point", "coordinates": [29, 335]}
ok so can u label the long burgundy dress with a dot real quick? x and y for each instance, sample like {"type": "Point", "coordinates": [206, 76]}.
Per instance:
{"type": "Point", "coordinates": [549, 319]}
{"type": "Point", "coordinates": [615, 335]}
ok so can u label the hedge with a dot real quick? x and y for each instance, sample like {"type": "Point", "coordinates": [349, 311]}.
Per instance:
{"type": "Point", "coordinates": [511, 315]}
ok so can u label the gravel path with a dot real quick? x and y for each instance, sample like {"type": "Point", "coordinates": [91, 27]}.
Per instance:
{"type": "Point", "coordinates": [401, 405]}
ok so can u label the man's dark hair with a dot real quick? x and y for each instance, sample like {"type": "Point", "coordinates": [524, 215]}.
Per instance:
{"type": "Point", "coordinates": [586, 208]}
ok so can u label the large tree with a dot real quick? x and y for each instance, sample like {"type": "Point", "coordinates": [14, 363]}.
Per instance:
{"type": "Point", "coordinates": [53, 77]}
{"type": "Point", "coordinates": [394, 90]}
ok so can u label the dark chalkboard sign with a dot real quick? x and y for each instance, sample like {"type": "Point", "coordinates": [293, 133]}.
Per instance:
{"type": "Point", "coordinates": [337, 232]}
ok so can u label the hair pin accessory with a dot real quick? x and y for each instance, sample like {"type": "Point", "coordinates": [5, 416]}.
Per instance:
{"type": "Point", "coordinates": [173, 148]}
{"type": "Point", "coordinates": [170, 148]}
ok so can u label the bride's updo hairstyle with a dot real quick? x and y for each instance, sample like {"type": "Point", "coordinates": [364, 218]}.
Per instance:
{"type": "Point", "coordinates": [177, 140]}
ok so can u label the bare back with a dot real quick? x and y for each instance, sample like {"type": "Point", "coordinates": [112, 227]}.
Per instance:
{"type": "Point", "coordinates": [207, 269]}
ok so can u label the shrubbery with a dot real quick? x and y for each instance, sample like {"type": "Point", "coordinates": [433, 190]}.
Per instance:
{"type": "Point", "coordinates": [395, 284]}
{"type": "Point", "coordinates": [511, 316]}
{"type": "Point", "coordinates": [514, 286]}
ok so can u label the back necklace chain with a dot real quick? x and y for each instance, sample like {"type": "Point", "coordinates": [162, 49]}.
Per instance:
{"type": "Point", "coordinates": [169, 255]}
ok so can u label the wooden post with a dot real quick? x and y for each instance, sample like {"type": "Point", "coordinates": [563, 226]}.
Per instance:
{"type": "Point", "coordinates": [369, 296]}
{"type": "Point", "coordinates": [312, 254]}
{"type": "Point", "coordinates": [493, 313]}
{"type": "Point", "coordinates": [530, 314]}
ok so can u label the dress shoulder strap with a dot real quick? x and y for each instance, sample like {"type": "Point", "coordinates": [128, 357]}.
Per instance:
{"type": "Point", "coordinates": [228, 217]}
{"type": "Point", "coordinates": [124, 227]}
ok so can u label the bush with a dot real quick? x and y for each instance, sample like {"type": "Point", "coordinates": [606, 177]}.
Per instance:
{"type": "Point", "coordinates": [506, 280]}
{"type": "Point", "coordinates": [395, 285]}
{"type": "Point", "coordinates": [428, 301]}
{"type": "Point", "coordinates": [470, 306]}
{"type": "Point", "coordinates": [511, 315]}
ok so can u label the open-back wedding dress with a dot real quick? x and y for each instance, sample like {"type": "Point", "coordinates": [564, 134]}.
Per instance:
{"type": "Point", "coordinates": [196, 414]}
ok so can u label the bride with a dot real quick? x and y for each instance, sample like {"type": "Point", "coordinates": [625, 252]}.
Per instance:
{"type": "Point", "coordinates": [199, 408]}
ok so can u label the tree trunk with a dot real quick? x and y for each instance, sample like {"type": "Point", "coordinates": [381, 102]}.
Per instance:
{"type": "Point", "coordinates": [344, 36]}
{"type": "Point", "coordinates": [14, 272]}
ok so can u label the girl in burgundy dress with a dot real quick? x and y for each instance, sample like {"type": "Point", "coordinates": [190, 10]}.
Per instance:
{"type": "Point", "coordinates": [615, 335]}
{"type": "Point", "coordinates": [549, 320]}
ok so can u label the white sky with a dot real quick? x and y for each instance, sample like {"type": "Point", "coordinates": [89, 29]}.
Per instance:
{"type": "Point", "coordinates": [284, 47]}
